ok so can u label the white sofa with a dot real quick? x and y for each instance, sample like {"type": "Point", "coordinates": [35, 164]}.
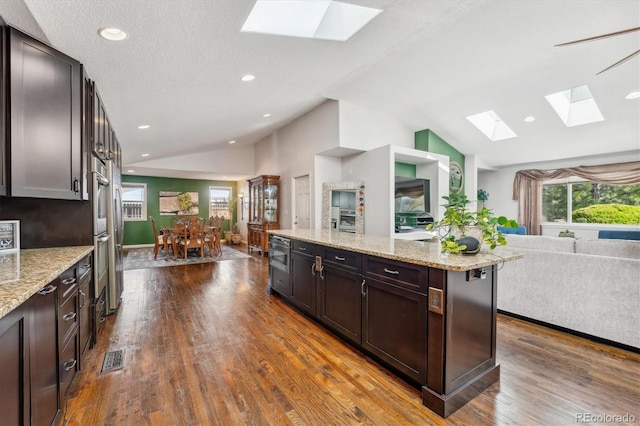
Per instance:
{"type": "Point", "coordinates": [585, 285]}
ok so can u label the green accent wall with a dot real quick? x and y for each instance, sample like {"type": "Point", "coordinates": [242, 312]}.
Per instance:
{"type": "Point", "coordinates": [405, 170]}
{"type": "Point", "coordinates": [140, 232]}
{"type": "Point", "coordinates": [427, 140]}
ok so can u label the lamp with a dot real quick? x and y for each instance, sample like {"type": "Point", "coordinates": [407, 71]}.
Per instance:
{"type": "Point", "coordinates": [241, 196]}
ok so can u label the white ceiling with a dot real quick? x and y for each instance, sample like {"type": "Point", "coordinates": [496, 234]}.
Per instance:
{"type": "Point", "coordinates": [428, 63]}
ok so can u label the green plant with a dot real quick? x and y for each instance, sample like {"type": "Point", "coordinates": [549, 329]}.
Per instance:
{"type": "Point", "coordinates": [607, 213]}
{"type": "Point", "coordinates": [483, 195]}
{"type": "Point", "coordinates": [458, 220]}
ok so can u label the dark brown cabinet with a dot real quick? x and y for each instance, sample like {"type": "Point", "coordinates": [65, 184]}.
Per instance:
{"type": "Point", "coordinates": [264, 211]}
{"type": "Point", "coordinates": [303, 282]}
{"type": "Point", "coordinates": [85, 330]}
{"type": "Point", "coordinates": [14, 359]}
{"type": "Point", "coordinates": [340, 292]}
{"type": "Point", "coordinates": [28, 352]}
{"type": "Point", "coordinates": [3, 116]}
{"type": "Point", "coordinates": [45, 125]}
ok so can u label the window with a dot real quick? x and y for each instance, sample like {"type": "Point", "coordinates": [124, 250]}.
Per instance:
{"type": "Point", "coordinates": [220, 201]}
{"type": "Point", "coordinates": [134, 201]}
{"type": "Point", "coordinates": [589, 202]}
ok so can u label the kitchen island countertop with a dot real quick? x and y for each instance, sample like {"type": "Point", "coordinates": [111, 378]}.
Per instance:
{"type": "Point", "coordinates": [25, 272]}
{"type": "Point", "coordinates": [416, 252]}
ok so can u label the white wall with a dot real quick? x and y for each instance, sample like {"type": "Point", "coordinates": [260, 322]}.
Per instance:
{"type": "Point", "coordinates": [376, 169]}
{"type": "Point", "coordinates": [290, 152]}
{"type": "Point", "coordinates": [499, 185]}
{"type": "Point", "coordinates": [365, 129]}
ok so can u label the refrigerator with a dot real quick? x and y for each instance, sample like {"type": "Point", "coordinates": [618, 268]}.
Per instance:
{"type": "Point", "coordinates": [115, 225]}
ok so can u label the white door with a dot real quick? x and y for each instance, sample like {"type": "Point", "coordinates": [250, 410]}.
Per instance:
{"type": "Point", "coordinates": [302, 218]}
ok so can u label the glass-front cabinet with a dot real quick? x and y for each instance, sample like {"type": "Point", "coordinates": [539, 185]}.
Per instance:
{"type": "Point", "coordinates": [264, 203]}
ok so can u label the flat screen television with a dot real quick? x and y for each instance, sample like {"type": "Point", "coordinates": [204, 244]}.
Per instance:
{"type": "Point", "coordinates": [412, 195]}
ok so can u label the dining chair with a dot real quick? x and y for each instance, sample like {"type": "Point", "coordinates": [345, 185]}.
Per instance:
{"type": "Point", "coordinates": [191, 237]}
{"type": "Point", "coordinates": [158, 239]}
{"type": "Point", "coordinates": [213, 237]}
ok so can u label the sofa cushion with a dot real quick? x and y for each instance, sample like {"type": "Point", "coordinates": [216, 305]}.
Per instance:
{"type": "Point", "coordinates": [611, 248]}
{"type": "Point", "coordinates": [541, 242]}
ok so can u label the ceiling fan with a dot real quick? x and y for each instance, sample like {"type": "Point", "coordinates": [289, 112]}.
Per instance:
{"type": "Point", "coordinates": [599, 37]}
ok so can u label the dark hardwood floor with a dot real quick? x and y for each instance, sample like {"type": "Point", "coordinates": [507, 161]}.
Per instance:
{"type": "Point", "coordinates": [205, 345]}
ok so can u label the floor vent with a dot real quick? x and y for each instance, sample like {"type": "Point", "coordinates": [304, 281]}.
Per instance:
{"type": "Point", "coordinates": [113, 360]}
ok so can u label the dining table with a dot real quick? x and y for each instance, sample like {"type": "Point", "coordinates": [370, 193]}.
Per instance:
{"type": "Point", "coordinates": [171, 232]}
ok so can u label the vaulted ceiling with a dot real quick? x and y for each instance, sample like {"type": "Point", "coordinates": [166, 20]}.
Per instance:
{"type": "Point", "coordinates": [428, 63]}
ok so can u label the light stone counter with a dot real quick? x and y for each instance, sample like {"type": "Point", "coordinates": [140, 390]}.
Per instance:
{"type": "Point", "coordinates": [416, 252]}
{"type": "Point", "coordinates": [25, 272]}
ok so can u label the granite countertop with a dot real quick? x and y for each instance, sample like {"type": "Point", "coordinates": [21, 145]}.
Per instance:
{"type": "Point", "coordinates": [25, 272]}
{"type": "Point", "coordinates": [416, 252]}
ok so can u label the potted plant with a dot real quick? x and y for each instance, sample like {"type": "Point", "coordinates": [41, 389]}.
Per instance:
{"type": "Point", "coordinates": [464, 231]}
{"type": "Point", "coordinates": [567, 233]}
{"type": "Point", "coordinates": [483, 196]}
{"type": "Point", "coordinates": [236, 237]}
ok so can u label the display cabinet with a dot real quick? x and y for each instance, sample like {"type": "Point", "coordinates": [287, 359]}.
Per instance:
{"type": "Point", "coordinates": [264, 211]}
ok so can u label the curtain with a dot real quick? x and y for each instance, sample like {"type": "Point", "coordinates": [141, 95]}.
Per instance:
{"type": "Point", "coordinates": [527, 186]}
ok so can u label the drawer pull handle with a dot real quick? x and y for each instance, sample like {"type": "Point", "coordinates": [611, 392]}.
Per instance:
{"type": "Point", "coordinates": [389, 271]}
{"type": "Point", "coordinates": [70, 316]}
{"type": "Point", "coordinates": [313, 269]}
{"type": "Point", "coordinates": [69, 281]}
{"type": "Point", "coordinates": [362, 289]}
{"type": "Point", "coordinates": [302, 248]}
{"type": "Point", "coordinates": [322, 272]}
{"type": "Point", "coordinates": [48, 289]}
{"type": "Point", "coordinates": [341, 259]}
{"type": "Point", "coordinates": [69, 365]}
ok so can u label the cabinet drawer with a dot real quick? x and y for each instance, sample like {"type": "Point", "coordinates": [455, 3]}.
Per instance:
{"type": "Point", "coordinates": [68, 318]}
{"type": "Point", "coordinates": [303, 247]}
{"type": "Point", "coordinates": [343, 259]}
{"type": "Point", "coordinates": [68, 284]}
{"type": "Point", "coordinates": [84, 267]}
{"type": "Point", "coordinates": [281, 282]}
{"type": "Point", "coordinates": [406, 275]}
{"type": "Point", "coordinates": [68, 364]}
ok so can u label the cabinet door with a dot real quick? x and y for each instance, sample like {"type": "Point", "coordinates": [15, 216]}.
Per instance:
{"type": "Point", "coordinates": [87, 133]}
{"type": "Point", "coordinates": [340, 301]}
{"type": "Point", "coordinates": [14, 373]}
{"type": "Point", "coordinates": [280, 282]}
{"type": "Point", "coordinates": [45, 133]}
{"type": "Point", "coordinates": [84, 305]}
{"type": "Point", "coordinates": [44, 357]}
{"type": "Point", "coordinates": [303, 283]}
{"type": "Point", "coordinates": [394, 327]}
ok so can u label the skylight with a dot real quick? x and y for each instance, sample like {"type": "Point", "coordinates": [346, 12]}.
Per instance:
{"type": "Point", "coordinates": [575, 106]}
{"type": "Point", "coordinates": [321, 19]}
{"type": "Point", "coordinates": [492, 126]}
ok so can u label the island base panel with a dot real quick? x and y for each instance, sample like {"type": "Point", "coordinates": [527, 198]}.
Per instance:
{"type": "Point", "coordinates": [445, 405]}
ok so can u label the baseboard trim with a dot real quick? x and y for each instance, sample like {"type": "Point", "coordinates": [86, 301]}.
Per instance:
{"type": "Point", "coordinates": [573, 332]}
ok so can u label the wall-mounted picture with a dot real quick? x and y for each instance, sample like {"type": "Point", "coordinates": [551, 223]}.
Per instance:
{"type": "Point", "coordinates": [9, 235]}
{"type": "Point", "coordinates": [178, 203]}
{"type": "Point", "coordinates": [456, 177]}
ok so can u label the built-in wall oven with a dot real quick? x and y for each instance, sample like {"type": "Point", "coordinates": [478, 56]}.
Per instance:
{"type": "Point", "coordinates": [101, 234]}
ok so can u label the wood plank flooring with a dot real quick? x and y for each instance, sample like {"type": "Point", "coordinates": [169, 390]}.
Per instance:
{"type": "Point", "coordinates": [205, 345]}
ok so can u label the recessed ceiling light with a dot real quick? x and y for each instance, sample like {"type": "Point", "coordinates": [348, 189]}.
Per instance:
{"type": "Point", "coordinates": [232, 141]}
{"type": "Point", "coordinates": [575, 106]}
{"type": "Point", "coordinates": [112, 34]}
{"type": "Point", "coordinates": [325, 19]}
{"type": "Point", "coordinates": [266, 115]}
{"type": "Point", "coordinates": [144, 126]}
{"type": "Point", "coordinates": [145, 155]}
{"type": "Point", "coordinates": [248, 77]}
{"type": "Point", "coordinates": [131, 171]}
{"type": "Point", "coordinates": [492, 126]}
{"type": "Point", "coordinates": [633, 95]}
{"type": "Point", "coordinates": [530, 119]}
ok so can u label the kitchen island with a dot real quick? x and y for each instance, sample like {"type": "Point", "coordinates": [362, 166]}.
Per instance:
{"type": "Point", "coordinates": [430, 319]}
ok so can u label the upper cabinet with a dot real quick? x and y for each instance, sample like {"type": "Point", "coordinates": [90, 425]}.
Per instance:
{"type": "Point", "coordinates": [44, 135]}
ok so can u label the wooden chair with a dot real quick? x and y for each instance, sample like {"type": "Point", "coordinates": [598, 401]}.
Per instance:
{"type": "Point", "coordinates": [191, 237]}
{"type": "Point", "coordinates": [213, 238]}
{"type": "Point", "coordinates": [158, 239]}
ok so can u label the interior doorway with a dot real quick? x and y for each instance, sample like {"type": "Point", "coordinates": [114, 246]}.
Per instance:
{"type": "Point", "coordinates": [302, 218]}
